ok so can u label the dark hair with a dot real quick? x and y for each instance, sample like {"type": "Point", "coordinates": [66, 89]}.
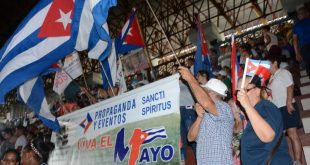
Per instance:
{"type": "Point", "coordinates": [14, 152]}
{"type": "Point", "coordinates": [7, 131]}
{"type": "Point", "coordinates": [203, 72]}
{"type": "Point", "coordinates": [41, 149]}
{"type": "Point", "coordinates": [257, 82]}
{"type": "Point", "coordinates": [267, 27]}
{"type": "Point", "coordinates": [21, 128]}
{"type": "Point", "coordinates": [275, 58]}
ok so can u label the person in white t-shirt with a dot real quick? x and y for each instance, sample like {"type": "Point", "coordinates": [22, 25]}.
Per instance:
{"type": "Point", "coordinates": [269, 38]}
{"type": "Point", "coordinates": [282, 92]}
{"type": "Point", "coordinates": [21, 140]}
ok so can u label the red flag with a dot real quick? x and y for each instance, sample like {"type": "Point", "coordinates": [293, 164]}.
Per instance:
{"type": "Point", "coordinates": [236, 70]}
{"type": "Point", "coordinates": [204, 44]}
{"type": "Point", "coordinates": [263, 73]}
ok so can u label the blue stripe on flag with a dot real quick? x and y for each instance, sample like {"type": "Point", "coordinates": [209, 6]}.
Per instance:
{"type": "Point", "coordinates": [151, 133]}
{"type": "Point", "coordinates": [20, 75]}
{"type": "Point", "coordinates": [37, 102]}
{"type": "Point", "coordinates": [153, 138]}
{"type": "Point", "coordinates": [37, 93]}
{"type": "Point", "coordinates": [24, 45]}
{"type": "Point", "coordinates": [41, 4]}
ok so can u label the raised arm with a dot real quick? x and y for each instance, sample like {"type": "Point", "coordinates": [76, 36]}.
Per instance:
{"type": "Point", "coordinates": [261, 127]}
{"type": "Point", "coordinates": [200, 94]}
{"type": "Point", "coordinates": [194, 130]}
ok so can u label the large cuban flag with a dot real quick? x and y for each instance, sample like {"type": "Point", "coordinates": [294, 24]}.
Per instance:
{"type": "Point", "coordinates": [52, 30]}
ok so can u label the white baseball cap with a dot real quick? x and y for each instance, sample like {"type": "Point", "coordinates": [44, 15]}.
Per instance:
{"type": "Point", "coordinates": [217, 86]}
{"type": "Point", "coordinates": [283, 65]}
{"type": "Point", "coordinates": [223, 73]}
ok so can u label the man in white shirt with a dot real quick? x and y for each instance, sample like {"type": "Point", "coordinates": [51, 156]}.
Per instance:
{"type": "Point", "coordinates": [282, 88]}
{"type": "Point", "coordinates": [269, 38]}
{"type": "Point", "coordinates": [21, 141]}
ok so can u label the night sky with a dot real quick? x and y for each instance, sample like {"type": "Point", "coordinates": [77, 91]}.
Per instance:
{"type": "Point", "coordinates": [12, 12]}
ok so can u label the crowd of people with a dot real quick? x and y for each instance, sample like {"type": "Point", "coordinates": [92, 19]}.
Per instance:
{"type": "Point", "coordinates": [251, 129]}
{"type": "Point", "coordinates": [26, 146]}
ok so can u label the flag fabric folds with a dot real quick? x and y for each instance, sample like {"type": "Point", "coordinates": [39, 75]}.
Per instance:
{"type": "Point", "coordinates": [61, 81]}
{"type": "Point", "coordinates": [202, 61]}
{"type": "Point", "coordinates": [155, 133]}
{"type": "Point", "coordinates": [120, 78]}
{"type": "Point", "coordinates": [52, 30]}
{"type": "Point", "coordinates": [130, 37]}
{"type": "Point", "coordinates": [109, 69]}
{"type": "Point", "coordinates": [254, 64]}
{"type": "Point", "coordinates": [93, 32]}
{"type": "Point", "coordinates": [259, 68]}
{"type": "Point", "coordinates": [32, 93]}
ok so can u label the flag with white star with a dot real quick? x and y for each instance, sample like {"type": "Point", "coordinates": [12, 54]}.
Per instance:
{"type": "Point", "coordinates": [130, 37]}
{"type": "Point", "coordinates": [51, 31]}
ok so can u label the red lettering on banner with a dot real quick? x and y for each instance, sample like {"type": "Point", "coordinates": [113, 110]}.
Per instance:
{"type": "Point", "coordinates": [105, 141]}
{"type": "Point", "coordinates": [61, 78]}
{"type": "Point", "coordinates": [87, 144]}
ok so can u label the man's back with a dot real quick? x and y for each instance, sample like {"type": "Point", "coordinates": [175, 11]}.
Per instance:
{"type": "Point", "coordinates": [302, 30]}
{"type": "Point", "coordinates": [215, 135]}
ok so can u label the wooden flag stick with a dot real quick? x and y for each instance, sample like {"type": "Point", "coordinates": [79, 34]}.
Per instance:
{"type": "Point", "coordinates": [174, 54]}
{"type": "Point", "coordinates": [244, 73]}
{"type": "Point", "coordinates": [146, 52]}
{"type": "Point", "coordinates": [105, 74]}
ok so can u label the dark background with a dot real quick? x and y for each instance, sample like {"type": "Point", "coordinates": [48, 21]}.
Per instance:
{"type": "Point", "coordinates": [12, 12]}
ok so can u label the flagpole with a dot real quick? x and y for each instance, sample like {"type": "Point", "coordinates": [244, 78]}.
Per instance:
{"type": "Point", "coordinates": [84, 79]}
{"type": "Point", "coordinates": [146, 51]}
{"type": "Point", "coordinates": [174, 54]}
{"type": "Point", "coordinates": [244, 73]}
{"type": "Point", "coordinates": [105, 74]}
{"type": "Point", "coordinates": [122, 72]}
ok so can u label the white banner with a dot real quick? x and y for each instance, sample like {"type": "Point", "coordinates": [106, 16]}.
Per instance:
{"type": "Point", "coordinates": [140, 126]}
{"type": "Point", "coordinates": [61, 81]}
{"type": "Point", "coordinates": [72, 65]}
{"type": "Point", "coordinates": [120, 78]}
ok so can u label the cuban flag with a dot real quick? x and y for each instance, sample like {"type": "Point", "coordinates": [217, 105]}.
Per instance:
{"type": "Point", "coordinates": [253, 65]}
{"type": "Point", "coordinates": [259, 68]}
{"type": "Point", "coordinates": [236, 71]}
{"type": "Point", "coordinates": [130, 37]}
{"type": "Point", "coordinates": [52, 30]}
{"type": "Point", "coordinates": [155, 133]}
{"type": "Point", "coordinates": [202, 61]}
{"type": "Point", "coordinates": [32, 93]}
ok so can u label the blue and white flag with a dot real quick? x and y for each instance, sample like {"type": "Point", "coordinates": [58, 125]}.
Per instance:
{"type": "Point", "coordinates": [52, 30]}
{"type": "Point", "coordinates": [155, 133]}
{"type": "Point", "coordinates": [108, 72]}
{"type": "Point", "coordinates": [32, 93]}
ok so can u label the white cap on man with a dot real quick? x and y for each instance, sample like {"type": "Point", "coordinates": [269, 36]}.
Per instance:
{"type": "Point", "coordinates": [223, 73]}
{"type": "Point", "coordinates": [217, 86]}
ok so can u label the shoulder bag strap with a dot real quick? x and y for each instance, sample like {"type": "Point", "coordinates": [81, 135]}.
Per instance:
{"type": "Point", "coordinates": [274, 150]}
